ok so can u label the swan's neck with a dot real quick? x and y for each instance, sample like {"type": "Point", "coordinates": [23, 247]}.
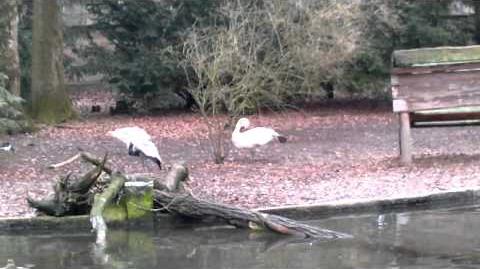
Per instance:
{"type": "Point", "coordinates": [238, 129]}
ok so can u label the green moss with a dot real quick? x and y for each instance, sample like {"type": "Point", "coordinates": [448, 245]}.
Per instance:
{"type": "Point", "coordinates": [135, 204]}
{"type": "Point", "coordinates": [115, 212]}
{"type": "Point", "coordinates": [139, 204]}
{"type": "Point", "coordinates": [8, 126]}
{"type": "Point", "coordinates": [12, 117]}
{"type": "Point", "coordinates": [439, 55]}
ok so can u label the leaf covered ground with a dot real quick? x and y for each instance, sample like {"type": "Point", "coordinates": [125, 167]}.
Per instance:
{"type": "Point", "coordinates": [333, 153]}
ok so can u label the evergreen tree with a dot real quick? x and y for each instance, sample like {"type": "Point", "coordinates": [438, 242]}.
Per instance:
{"type": "Point", "coordinates": [145, 43]}
{"type": "Point", "coordinates": [9, 58]}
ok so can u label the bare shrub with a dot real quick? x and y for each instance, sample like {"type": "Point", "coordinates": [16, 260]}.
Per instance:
{"type": "Point", "coordinates": [266, 54]}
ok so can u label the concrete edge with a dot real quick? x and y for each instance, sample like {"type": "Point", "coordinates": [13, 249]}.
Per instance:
{"type": "Point", "coordinates": [443, 199]}
{"type": "Point", "coordinates": [451, 198]}
{"type": "Point", "coordinates": [77, 223]}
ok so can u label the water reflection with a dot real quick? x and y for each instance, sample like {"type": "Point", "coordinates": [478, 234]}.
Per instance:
{"type": "Point", "coordinates": [11, 265]}
{"type": "Point", "coordinates": [433, 239]}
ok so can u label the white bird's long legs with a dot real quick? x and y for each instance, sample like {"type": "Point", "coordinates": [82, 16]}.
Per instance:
{"type": "Point", "coordinates": [144, 165]}
{"type": "Point", "coordinates": [252, 155]}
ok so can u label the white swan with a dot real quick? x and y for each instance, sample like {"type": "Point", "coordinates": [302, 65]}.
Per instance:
{"type": "Point", "coordinates": [255, 137]}
{"type": "Point", "coordinates": [139, 143]}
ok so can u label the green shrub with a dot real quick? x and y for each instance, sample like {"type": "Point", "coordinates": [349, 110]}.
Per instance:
{"type": "Point", "coordinates": [12, 117]}
{"type": "Point", "coordinates": [400, 24]}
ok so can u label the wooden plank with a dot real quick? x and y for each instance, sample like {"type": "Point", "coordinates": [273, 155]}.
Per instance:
{"type": "Point", "coordinates": [416, 117]}
{"type": "Point", "coordinates": [443, 68]}
{"type": "Point", "coordinates": [461, 116]}
{"type": "Point", "coordinates": [427, 56]}
{"type": "Point", "coordinates": [455, 110]}
{"type": "Point", "coordinates": [452, 123]}
{"type": "Point", "coordinates": [405, 139]}
{"type": "Point", "coordinates": [400, 105]}
{"type": "Point", "coordinates": [439, 90]}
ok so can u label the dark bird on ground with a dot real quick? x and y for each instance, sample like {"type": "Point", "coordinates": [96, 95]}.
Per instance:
{"type": "Point", "coordinates": [7, 147]}
{"type": "Point", "coordinates": [139, 143]}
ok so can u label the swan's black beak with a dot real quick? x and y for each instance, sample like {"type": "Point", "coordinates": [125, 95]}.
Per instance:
{"type": "Point", "coordinates": [226, 126]}
{"type": "Point", "coordinates": [159, 163]}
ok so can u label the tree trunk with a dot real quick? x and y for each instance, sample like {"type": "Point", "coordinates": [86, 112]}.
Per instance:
{"type": "Point", "coordinates": [49, 101]}
{"type": "Point", "coordinates": [476, 7]}
{"type": "Point", "coordinates": [9, 58]}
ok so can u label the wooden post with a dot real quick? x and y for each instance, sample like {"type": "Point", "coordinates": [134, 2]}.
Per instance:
{"type": "Point", "coordinates": [405, 139]}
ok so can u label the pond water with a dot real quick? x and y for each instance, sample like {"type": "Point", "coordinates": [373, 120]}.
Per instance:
{"type": "Point", "coordinates": [442, 238]}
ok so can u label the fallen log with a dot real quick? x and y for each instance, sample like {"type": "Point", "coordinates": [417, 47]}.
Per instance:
{"type": "Point", "coordinates": [96, 161]}
{"type": "Point", "coordinates": [184, 204]}
{"type": "Point", "coordinates": [173, 180]}
{"type": "Point", "coordinates": [86, 157]}
{"type": "Point", "coordinates": [71, 195]}
{"type": "Point", "coordinates": [170, 196]}
{"type": "Point", "coordinates": [60, 164]}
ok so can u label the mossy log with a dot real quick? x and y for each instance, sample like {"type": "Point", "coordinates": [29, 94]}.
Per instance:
{"type": "Point", "coordinates": [100, 202]}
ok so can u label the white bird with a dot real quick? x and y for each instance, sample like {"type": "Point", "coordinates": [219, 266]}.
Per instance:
{"type": "Point", "coordinates": [7, 147]}
{"type": "Point", "coordinates": [139, 143]}
{"type": "Point", "coordinates": [255, 137]}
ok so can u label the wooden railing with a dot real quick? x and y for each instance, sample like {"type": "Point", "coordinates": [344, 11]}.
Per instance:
{"type": "Point", "coordinates": [444, 91]}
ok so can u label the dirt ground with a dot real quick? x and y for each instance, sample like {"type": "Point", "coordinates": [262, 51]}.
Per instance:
{"type": "Point", "coordinates": [334, 152]}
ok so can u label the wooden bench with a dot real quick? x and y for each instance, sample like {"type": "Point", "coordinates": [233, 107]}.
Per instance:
{"type": "Point", "coordinates": [435, 87]}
